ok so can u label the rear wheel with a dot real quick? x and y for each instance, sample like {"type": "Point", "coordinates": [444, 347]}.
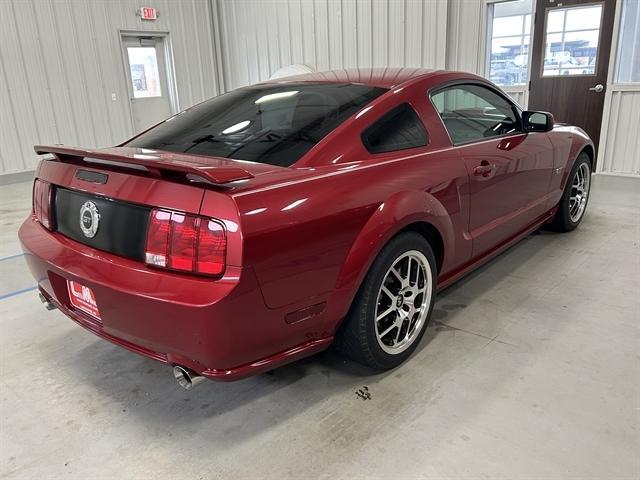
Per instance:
{"type": "Point", "coordinates": [391, 310]}
{"type": "Point", "coordinates": [575, 197]}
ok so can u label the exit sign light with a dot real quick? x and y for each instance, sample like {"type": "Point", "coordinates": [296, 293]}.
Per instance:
{"type": "Point", "coordinates": [148, 13]}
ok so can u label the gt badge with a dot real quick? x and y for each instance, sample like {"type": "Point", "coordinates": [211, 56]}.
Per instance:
{"type": "Point", "coordinates": [89, 219]}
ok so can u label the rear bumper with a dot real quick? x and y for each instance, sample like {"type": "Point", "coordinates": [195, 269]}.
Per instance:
{"type": "Point", "coordinates": [221, 329]}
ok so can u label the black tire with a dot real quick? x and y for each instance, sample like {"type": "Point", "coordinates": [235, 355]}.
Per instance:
{"type": "Point", "coordinates": [563, 221]}
{"type": "Point", "coordinates": [357, 337]}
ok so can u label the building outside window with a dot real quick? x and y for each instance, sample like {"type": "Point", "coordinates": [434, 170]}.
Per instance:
{"type": "Point", "coordinates": [571, 40]}
{"type": "Point", "coordinates": [510, 37]}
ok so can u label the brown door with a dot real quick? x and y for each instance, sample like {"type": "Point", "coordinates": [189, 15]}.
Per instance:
{"type": "Point", "coordinates": [570, 60]}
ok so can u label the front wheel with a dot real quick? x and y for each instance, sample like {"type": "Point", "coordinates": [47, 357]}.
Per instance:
{"type": "Point", "coordinates": [391, 310]}
{"type": "Point", "coordinates": [575, 196]}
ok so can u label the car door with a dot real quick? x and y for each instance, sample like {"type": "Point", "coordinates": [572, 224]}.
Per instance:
{"type": "Point", "coordinates": [509, 170]}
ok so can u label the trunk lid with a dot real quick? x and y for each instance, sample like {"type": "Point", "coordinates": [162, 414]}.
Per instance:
{"type": "Point", "coordinates": [123, 184]}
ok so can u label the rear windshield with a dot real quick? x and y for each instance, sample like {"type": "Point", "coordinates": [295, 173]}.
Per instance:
{"type": "Point", "coordinates": [274, 124]}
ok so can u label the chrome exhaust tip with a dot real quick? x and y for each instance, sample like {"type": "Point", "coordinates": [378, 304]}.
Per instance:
{"type": "Point", "coordinates": [186, 378]}
{"type": "Point", "coordinates": [47, 303]}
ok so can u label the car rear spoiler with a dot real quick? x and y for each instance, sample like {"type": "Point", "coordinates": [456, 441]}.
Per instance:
{"type": "Point", "coordinates": [190, 168]}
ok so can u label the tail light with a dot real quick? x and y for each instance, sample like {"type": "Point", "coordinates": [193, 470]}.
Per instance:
{"type": "Point", "coordinates": [42, 202]}
{"type": "Point", "coordinates": [186, 243]}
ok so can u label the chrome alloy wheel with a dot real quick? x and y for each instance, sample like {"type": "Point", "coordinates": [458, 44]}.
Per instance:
{"type": "Point", "coordinates": [579, 192]}
{"type": "Point", "coordinates": [403, 302]}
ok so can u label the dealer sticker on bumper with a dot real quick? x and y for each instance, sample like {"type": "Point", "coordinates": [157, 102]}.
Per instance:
{"type": "Point", "coordinates": [83, 298]}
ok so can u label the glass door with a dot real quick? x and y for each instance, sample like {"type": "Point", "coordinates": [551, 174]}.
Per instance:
{"type": "Point", "coordinates": [147, 80]}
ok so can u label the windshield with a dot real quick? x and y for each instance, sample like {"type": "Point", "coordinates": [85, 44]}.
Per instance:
{"type": "Point", "coordinates": [273, 124]}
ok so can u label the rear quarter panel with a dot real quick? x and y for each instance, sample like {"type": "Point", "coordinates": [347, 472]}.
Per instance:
{"type": "Point", "coordinates": [312, 240]}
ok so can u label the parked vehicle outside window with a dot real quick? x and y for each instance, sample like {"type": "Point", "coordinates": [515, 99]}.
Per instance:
{"type": "Point", "coordinates": [510, 36]}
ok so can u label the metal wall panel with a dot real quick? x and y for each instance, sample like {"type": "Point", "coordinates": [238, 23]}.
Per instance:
{"type": "Point", "coordinates": [622, 143]}
{"type": "Point", "coordinates": [466, 30]}
{"type": "Point", "coordinates": [60, 61]}
{"type": "Point", "coordinates": [467, 44]}
{"type": "Point", "coordinates": [262, 36]}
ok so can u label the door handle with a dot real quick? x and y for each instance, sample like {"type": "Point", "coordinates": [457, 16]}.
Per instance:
{"type": "Point", "coordinates": [485, 169]}
{"type": "Point", "coordinates": [598, 88]}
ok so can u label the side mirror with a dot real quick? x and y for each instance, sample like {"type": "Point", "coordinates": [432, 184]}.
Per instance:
{"type": "Point", "coordinates": [537, 121]}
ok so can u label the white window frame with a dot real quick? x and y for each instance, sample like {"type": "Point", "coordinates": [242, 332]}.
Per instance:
{"type": "Point", "coordinates": [485, 42]}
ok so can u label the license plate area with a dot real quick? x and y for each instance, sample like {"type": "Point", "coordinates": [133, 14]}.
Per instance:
{"type": "Point", "coordinates": [82, 298]}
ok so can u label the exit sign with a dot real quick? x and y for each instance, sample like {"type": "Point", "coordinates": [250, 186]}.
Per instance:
{"type": "Point", "coordinates": [148, 13]}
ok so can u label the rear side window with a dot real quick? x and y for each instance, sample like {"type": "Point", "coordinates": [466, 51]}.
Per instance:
{"type": "Point", "coordinates": [398, 129]}
{"type": "Point", "coordinates": [473, 112]}
{"type": "Point", "coordinates": [274, 124]}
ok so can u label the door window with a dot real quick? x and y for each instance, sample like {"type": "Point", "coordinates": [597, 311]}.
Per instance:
{"type": "Point", "coordinates": [145, 75]}
{"type": "Point", "coordinates": [571, 40]}
{"type": "Point", "coordinates": [398, 129]}
{"type": "Point", "coordinates": [474, 112]}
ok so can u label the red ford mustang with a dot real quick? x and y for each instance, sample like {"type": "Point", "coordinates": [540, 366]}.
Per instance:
{"type": "Point", "coordinates": [265, 224]}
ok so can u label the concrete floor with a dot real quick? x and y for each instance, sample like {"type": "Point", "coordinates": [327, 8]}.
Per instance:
{"type": "Point", "coordinates": [530, 369]}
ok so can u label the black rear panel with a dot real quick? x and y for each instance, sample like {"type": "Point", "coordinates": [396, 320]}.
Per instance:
{"type": "Point", "coordinates": [122, 228]}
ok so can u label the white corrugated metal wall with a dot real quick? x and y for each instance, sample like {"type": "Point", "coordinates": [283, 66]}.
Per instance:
{"type": "Point", "coordinates": [465, 35]}
{"type": "Point", "coordinates": [259, 37]}
{"type": "Point", "coordinates": [621, 152]}
{"type": "Point", "coordinates": [60, 61]}
{"type": "Point", "coordinates": [621, 143]}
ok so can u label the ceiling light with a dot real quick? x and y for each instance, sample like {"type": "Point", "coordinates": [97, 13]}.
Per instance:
{"type": "Point", "coordinates": [236, 128]}
{"type": "Point", "coordinates": [276, 96]}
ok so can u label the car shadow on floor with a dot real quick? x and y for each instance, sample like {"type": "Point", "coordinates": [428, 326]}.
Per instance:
{"type": "Point", "coordinates": [147, 390]}
{"type": "Point", "coordinates": [233, 410]}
